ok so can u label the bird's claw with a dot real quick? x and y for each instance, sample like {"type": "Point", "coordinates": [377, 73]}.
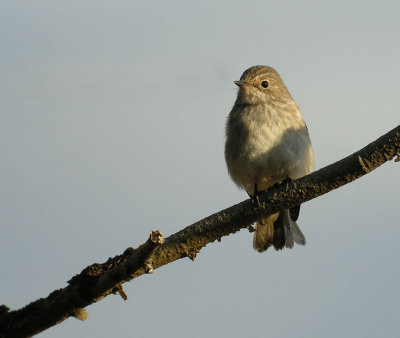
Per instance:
{"type": "Point", "coordinates": [255, 199]}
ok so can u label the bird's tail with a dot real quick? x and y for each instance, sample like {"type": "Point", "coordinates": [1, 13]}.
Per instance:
{"type": "Point", "coordinates": [279, 230]}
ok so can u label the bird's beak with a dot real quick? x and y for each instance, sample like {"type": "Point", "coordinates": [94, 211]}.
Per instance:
{"type": "Point", "coordinates": [240, 84]}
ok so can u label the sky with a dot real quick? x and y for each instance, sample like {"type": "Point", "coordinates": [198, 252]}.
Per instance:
{"type": "Point", "coordinates": [112, 118]}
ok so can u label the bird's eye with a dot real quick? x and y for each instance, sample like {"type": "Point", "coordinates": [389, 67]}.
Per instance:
{"type": "Point", "coordinates": [265, 84]}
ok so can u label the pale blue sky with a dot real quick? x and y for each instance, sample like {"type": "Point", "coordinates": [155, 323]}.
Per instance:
{"type": "Point", "coordinates": [112, 125]}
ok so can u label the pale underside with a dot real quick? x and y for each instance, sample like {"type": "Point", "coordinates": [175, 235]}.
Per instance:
{"type": "Point", "coordinates": [273, 146]}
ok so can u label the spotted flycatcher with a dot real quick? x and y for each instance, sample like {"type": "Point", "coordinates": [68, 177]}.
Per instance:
{"type": "Point", "coordinates": [267, 142]}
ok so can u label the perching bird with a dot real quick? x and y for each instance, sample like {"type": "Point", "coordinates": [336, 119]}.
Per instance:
{"type": "Point", "coordinates": [267, 142]}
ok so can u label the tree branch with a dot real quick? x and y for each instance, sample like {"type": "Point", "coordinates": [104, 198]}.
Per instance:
{"type": "Point", "coordinates": [99, 280]}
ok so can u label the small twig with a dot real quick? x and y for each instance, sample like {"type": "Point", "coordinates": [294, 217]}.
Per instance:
{"type": "Point", "coordinates": [155, 240]}
{"type": "Point", "coordinates": [121, 292]}
{"type": "Point", "coordinates": [80, 313]}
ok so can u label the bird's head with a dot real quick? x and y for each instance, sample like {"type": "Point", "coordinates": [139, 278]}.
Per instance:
{"type": "Point", "coordinates": [261, 85]}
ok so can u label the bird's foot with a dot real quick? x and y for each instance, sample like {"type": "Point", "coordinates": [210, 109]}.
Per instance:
{"type": "Point", "coordinates": [286, 181]}
{"type": "Point", "coordinates": [255, 199]}
{"type": "Point", "coordinates": [283, 182]}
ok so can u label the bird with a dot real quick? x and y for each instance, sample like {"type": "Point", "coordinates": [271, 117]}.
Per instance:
{"type": "Point", "coordinates": [267, 142]}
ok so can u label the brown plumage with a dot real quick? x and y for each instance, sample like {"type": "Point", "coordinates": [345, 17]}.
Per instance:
{"type": "Point", "coordinates": [267, 142]}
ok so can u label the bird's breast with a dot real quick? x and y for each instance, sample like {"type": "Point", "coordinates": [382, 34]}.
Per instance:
{"type": "Point", "coordinates": [268, 146]}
